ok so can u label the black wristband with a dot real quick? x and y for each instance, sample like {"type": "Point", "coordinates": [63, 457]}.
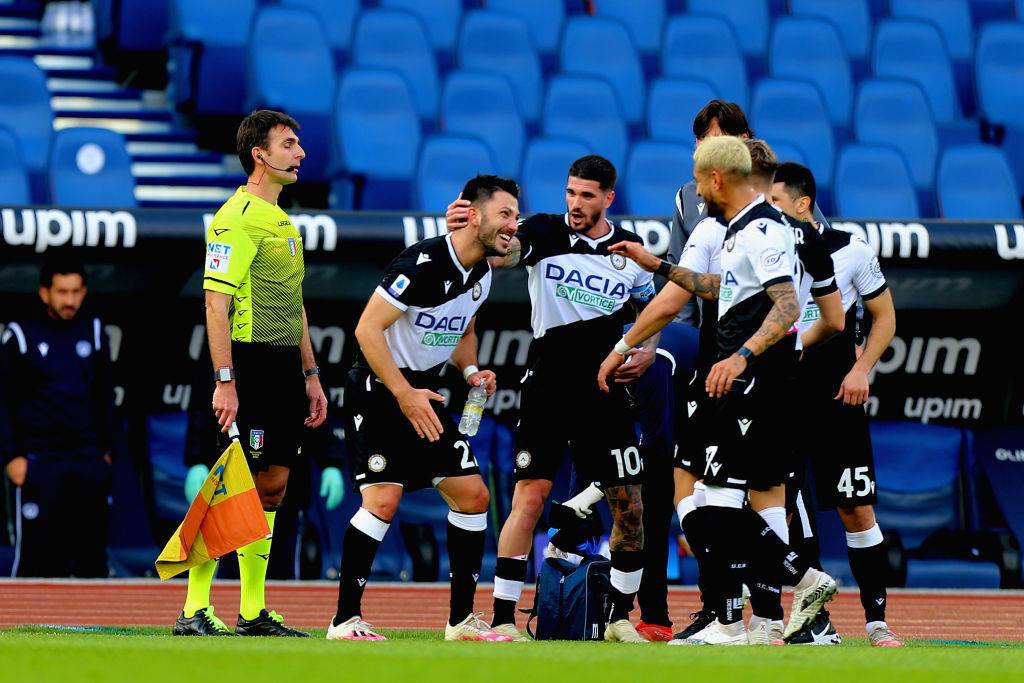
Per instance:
{"type": "Point", "coordinates": [747, 355]}
{"type": "Point", "coordinates": [312, 371]}
{"type": "Point", "coordinates": [665, 268]}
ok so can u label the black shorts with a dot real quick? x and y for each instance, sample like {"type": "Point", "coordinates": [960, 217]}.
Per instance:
{"type": "Point", "coordinates": [838, 446]}
{"type": "Point", "coordinates": [750, 433]}
{"type": "Point", "coordinates": [561, 408]}
{"type": "Point", "coordinates": [692, 408]}
{"type": "Point", "coordinates": [272, 403]}
{"type": "Point", "coordinates": [383, 446]}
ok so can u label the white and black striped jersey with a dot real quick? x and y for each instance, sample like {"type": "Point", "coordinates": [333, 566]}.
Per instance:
{"type": "Point", "coordinates": [577, 287]}
{"type": "Point", "coordinates": [702, 253]}
{"type": "Point", "coordinates": [759, 251]}
{"type": "Point", "coordinates": [858, 275]}
{"type": "Point", "coordinates": [438, 298]}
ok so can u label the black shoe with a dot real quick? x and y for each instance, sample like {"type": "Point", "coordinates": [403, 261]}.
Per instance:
{"type": "Point", "coordinates": [700, 620]}
{"type": "Point", "coordinates": [819, 631]}
{"type": "Point", "coordinates": [202, 623]}
{"type": "Point", "coordinates": [267, 624]}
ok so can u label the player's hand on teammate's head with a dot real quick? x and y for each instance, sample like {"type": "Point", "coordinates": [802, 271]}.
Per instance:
{"type": "Point", "coordinates": [415, 405]}
{"type": "Point", "coordinates": [490, 380]}
{"type": "Point", "coordinates": [457, 215]}
{"type": "Point", "coordinates": [608, 367]}
{"type": "Point", "coordinates": [635, 251]}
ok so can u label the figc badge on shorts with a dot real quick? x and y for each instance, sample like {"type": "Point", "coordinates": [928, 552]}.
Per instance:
{"type": "Point", "coordinates": [256, 439]}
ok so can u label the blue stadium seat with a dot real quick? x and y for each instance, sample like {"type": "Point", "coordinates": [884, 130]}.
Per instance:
{"type": "Point", "coordinates": [975, 182]}
{"type": "Point", "coordinates": [914, 50]}
{"type": "Point", "coordinates": [984, 11]}
{"type": "Point", "coordinates": [13, 173]}
{"type": "Point", "coordinates": [672, 105]}
{"type": "Point", "coordinates": [544, 17]}
{"type": "Point", "coordinates": [337, 19]}
{"type": "Point", "coordinates": [792, 112]}
{"type": "Point", "coordinates": [896, 113]}
{"type": "Point", "coordinates": [91, 167]}
{"type": "Point", "coordinates": [291, 69]}
{"type": "Point", "coordinates": [645, 20]}
{"type": "Point", "coordinates": [873, 181]}
{"type": "Point", "coordinates": [603, 48]}
{"type": "Point", "coordinates": [999, 65]}
{"type": "Point", "coordinates": [132, 25]}
{"type": "Point", "coordinates": [748, 19]}
{"type": "Point", "coordinates": [917, 468]}
{"type": "Point", "coordinates": [852, 18]}
{"type": "Point", "coordinates": [441, 17]}
{"type": "Point", "coordinates": [378, 134]}
{"type": "Point", "coordinates": [951, 17]}
{"type": "Point", "coordinates": [784, 151]}
{"type": "Point", "coordinates": [586, 109]}
{"type": "Point", "coordinates": [207, 53]}
{"type": "Point", "coordinates": [28, 114]}
{"type": "Point", "coordinates": [654, 172]}
{"type": "Point", "coordinates": [446, 163]}
{"type": "Point", "coordinates": [501, 43]}
{"type": "Point", "coordinates": [481, 104]}
{"type": "Point", "coordinates": [952, 574]}
{"type": "Point", "coordinates": [705, 48]}
{"type": "Point", "coordinates": [394, 39]}
{"type": "Point", "coordinates": [811, 49]}
{"type": "Point", "coordinates": [545, 170]}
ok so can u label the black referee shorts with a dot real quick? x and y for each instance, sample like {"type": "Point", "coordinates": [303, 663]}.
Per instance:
{"type": "Point", "coordinates": [272, 403]}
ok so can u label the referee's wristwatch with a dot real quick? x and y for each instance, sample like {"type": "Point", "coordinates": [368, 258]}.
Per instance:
{"type": "Point", "coordinates": [306, 374]}
{"type": "Point", "coordinates": [224, 375]}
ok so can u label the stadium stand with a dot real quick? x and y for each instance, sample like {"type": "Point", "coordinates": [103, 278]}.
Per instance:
{"type": "Point", "coordinates": [672, 103]}
{"type": "Point", "coordinates": [644, 21]}
{"type": "Point", "coordinates": [915, 51]}
{"type": "Point", "coordinates": [811, 49]}
{"type": "Point", "coordinates": [873, 181]}
{"type": "Point", "coordinates": [975, 182]}
{"type": "Point", "coordinates": [483, 105]}
{"type": "Point", "coordinates": [91, 167]}
{"type": "Point", "coordinates": [852, 18]}
{"type": "Point", "coordinates": [13, 173]}
{"type": "Point", "coordinates": [544, 172]}
{"type": "Point", "coordinates": [600, 125]}
{"type": "Point", "coordinates": [652, 175]}
{"type": "Point", "coordinates": [603, 48]}
{"type": "Point", "coordinates": [445, 163]}
{"type": "Point", "coordinates": [337, 20]}
{"type": "Point", "coordinates": [705, 47]}
{"type": "Point", "coordinates": [29, 114]}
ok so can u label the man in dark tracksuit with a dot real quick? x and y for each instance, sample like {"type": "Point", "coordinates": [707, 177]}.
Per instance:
{"type": "Point", "coordinates": [56, 417]}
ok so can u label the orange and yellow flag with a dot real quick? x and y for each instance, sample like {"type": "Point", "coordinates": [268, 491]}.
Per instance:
{"type": "Point", "coordinates": [226, 515]}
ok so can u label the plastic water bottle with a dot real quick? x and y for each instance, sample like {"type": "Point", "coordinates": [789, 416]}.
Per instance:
{"type": "Point", "coordinates": [473, 411]}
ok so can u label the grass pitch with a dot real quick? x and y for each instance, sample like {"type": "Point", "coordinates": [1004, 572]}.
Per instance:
{"type": "Point", "coordinates": [31, 654]}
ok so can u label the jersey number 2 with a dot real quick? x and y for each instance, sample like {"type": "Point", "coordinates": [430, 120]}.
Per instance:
{"type": "Point", "coordinates": [467, 459]}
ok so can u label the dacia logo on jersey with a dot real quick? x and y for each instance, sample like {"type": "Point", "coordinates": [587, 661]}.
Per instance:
{"type": "Point", "coordinates": [591, 290]}
{"type": "Point", "coordinates": [218, 257]}
{"type": "Point", "coordinates": [400, 284]}
{"type": "Point", "coordinates": [725, 289]}
{"type": "Point", "coordinates": [441, 331]}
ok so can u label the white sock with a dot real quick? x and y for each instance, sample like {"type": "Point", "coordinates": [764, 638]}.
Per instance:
{"type": "Point", "coordinates": [684, 508]}
{"type": "Point", "coordinates": [626, 582]}
{"type": "Point", "coordinates": [775, 517]}
{"type": "Point", "coordinates": [864, 539]}
{"type": "Point", "coordinates": [872, 625]}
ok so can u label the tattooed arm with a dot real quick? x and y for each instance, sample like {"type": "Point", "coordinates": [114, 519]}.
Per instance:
{"type": "Point", "coordinates": [776, 324]}
{"type": "Point", "coordinates": [704, 285]}
{"type": "Point", "coordinates": [511, 258]}
{"type": "Point", "coordinates": [627, 515]}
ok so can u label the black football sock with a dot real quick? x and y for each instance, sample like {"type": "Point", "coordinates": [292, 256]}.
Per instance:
{"type": "Point", "coordinates": [362, 538]}
{"type": "Point", "coordinates": [466, 534]}
{"type": "Point", "coordinates": [509, 577]}
{"type": "Point", "coordinates": [869, 561]}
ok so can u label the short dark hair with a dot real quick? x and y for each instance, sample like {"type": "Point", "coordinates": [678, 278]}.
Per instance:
{"type": "Point", "coordinates": [731, 119]}
{"type": "Point", "coordinates": [597, 168]}
{"type": "Point", "coordinates": [483, 187]}
{"type": "Point", "coordinates": [254, 130]}
{"type": "Point", "coordinates": [798, 179]}
{"type": "Point", "coordinates": [763, 161]}
{"type": "Point", "coordinates": [60, 263]}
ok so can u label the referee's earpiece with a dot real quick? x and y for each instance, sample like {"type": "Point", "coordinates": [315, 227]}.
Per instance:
{"type": "Point", "coordinates": [286, 169]}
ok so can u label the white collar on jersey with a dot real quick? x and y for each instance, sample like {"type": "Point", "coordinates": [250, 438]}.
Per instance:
{"type": "Point", "coordinates": [455, 258]}
{"type": "Point", "coordinates": [757, 200]}
{"type": "Point", "coordinates": [591, 241]}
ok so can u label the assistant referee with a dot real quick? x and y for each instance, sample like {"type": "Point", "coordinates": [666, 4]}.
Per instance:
{"type": "Point", "coordinates": [262, 355]}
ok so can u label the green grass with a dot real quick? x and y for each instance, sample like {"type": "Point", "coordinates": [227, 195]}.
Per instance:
{"type": "Point", "coordinates": [30, 654]}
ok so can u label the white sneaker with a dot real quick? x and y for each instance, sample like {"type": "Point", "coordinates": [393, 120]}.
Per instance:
{"type": "Point", "coordinates": [697, 638]}
{"type": "Point", "coordinates": [353, 629]}
{"type": "Point", "coordinates": [727, 634]}
{"type": "Point", "coordinates": [512, 632]}
{"type": "Point", "coordinates": [475, 628]}
{"type": "Point", "coordinates": [807, 601]}
{"type": "Point", "coordinates": [622, 631]}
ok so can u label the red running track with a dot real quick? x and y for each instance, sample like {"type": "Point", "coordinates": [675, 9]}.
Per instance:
{"type": "Point", "coordinates": [945, 615]}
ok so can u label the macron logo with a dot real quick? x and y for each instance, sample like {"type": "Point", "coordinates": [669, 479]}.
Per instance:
{"type": "Point", "coordinates": [447, 285]}
{"type": "Point", "coordinates": [691, 408]}
{"type": "Point", "coordinates": [422, 258]}
{"type": "Point", "coordinates": [358, 419]}
{"type": "Point", "coordinates": [700, 207]}
{"type": "Point", "coordinates": [744, 425]}
{"type": "Point", "coordinates": [715, 466]}
{"type": "Point", "coordinates": [361, 582]}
